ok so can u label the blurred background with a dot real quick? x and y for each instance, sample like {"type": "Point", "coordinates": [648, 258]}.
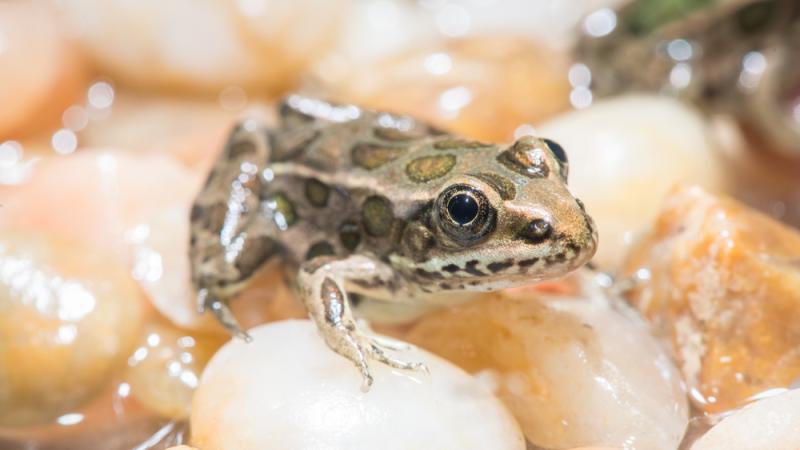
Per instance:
{"type": "Point", "coordinates": [112, 112]}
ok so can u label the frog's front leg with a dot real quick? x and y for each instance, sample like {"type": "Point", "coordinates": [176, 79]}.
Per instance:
{"type": "Point", "coordinates": [230, 234]}
{"type": "Point", "coordinates": [322, 283]}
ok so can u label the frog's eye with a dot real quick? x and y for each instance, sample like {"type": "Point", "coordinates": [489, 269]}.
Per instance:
{"type": "Point", "coordinates": [560, 155]}
{"type": "Point", "coordinates": [465, 214]}
{"type": "Point", "coordinates": [463, 208]}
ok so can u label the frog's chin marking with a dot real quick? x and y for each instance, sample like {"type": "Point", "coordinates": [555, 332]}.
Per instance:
{"type": "Point", "coordinates": [480, 273]}
{"type": "Point", "coordinates": [478, 284]}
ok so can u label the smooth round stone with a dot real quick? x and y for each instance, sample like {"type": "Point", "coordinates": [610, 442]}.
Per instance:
{"type": "Point", "coordinates": [109, 193]}
{"type": "Point", "coordinates": [769, 424]}
{"type": "Point", "coordinates": [374, 29]}
{"type": "Point", "coordinates": [598, 448]}
{"type": "Point", "coordinates": [258, 44]}
{"type": "Point", "coordinates": [40, 71]}
{"type": "Point", "coordinates": [287, 390]}
{"type": "Point", "coordinates": [160, 248]}
{"type": "Point", "coordinates": [191, 130]}
{"type": "Point", "coordinates": [625, 154]}
{"type": "Point", "coordinates": [166, 365]}
{"type": "Point", "coordinates": [481, 87]}
{"type": "Point", "coordinates": [723, 287]}
{"type": "Point", "coordinates": [573, 370]}
{"type": "Point", "coordinates": [69, 315]}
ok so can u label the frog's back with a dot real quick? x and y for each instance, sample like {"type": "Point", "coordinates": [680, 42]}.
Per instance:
{"type": "Point", "coordinates": [335, 177]}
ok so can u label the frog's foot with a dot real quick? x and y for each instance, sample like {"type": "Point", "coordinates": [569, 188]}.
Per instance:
{"type": "Point", "coordinates": [382, 341]}
{"type": "Point", "coordinates": [326, 301]}
{"type": "Point", "coordinates": [348, 341]}
{"type": "Point", "coordinates": [222, 311]}
{"type": "Point", "coordinates": [392, 344]}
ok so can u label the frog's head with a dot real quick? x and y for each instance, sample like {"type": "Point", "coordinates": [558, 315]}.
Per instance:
{"type": "Point", "coordinates": [506, 218]}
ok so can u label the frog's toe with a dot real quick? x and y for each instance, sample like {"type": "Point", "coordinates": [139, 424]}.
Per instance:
{"type": "Point", "coordinates": [391, 344]}
{"type": "Point", "coordinates": [375, 352]}
{"type": "Point", "coordinates": [224, 315]}
{"type": "Point", "coordinates": [347, 342]}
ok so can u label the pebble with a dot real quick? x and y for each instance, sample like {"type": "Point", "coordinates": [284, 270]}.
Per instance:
{"type": "Point", "coordinates": [573, 370]}
{"type": "Point", "coordinates": [115, 205]}
{"type": "Point", "coordinates": [41, 71]}
{"type": "Point", "coordinates": [109, 193]}
{"type": "Point", "coordinates": [258, 45]}
{"type": "Point", "coordinates": [287, 390]}
{"type": "Point", "coordinates": [164, 369]}
{"type": "Point", "coordinates": [160, 263]}
{"type": "Point", "coordinates": [481, 87]}
{"type": "Point", "coordinates": [191, 130]}
{"type": "Point", "coordinates": [722, 285]}
{"type": "Point", "coordinates": [69, 316]}
{"type": "Point", "coordinates": [625, 154]}
{"type": "Point", "coordinates": [769, 424]}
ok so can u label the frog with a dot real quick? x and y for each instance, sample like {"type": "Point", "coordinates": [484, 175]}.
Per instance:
{"type": "Point", "coordinates": [364, 207]}
{"type": "Point", "coordinates": [733, 58]}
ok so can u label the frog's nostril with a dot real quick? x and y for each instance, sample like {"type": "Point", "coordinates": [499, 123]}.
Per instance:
{"type": "Point", "coordinates": [537, 231]}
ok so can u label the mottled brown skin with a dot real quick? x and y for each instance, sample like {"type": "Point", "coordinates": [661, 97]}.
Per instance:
{"type": "Point", "coordinates": [369, 203]}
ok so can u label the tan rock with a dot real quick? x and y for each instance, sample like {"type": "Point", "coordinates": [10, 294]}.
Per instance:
{"type": "Point", "coordinates": [572, 370]}
{"type": "Point", "coordinates": [724, 287]}
{"type": "Point", "coordinates": [41, 72]}
{"type": "Point", "coordinates": [261, 45]}
{"type": "Point", "coordinates": [481, 87]}
{"type": "Point", "coordinates": [69, 316]}
{"type": "Point", "coordinates": [597, 448]}
{"type": "Point", "coordinates": [160, 249]}
{"type": "Point", "coordinates": [625, 154]}
{"type": "Point", "coordinates": [288, 390]}
{"type": "Point", "coordinates": [166, 365]}
{"type": "Point", "coordinates": [108, 193]}
{"type": "Point", "coordinates": [769, 424]}
{"type": "Point", "coordinates": [191, 130]}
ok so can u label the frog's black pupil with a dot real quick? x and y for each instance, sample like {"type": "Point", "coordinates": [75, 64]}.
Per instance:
{"type": "Point", "coordinates": [557, 150]}
{"type": "Point", "coordinates": [462, 208]}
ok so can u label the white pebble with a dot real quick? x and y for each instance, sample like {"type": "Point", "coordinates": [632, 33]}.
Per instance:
{"type": "Point", "coordinates": [625, 155]}
{"type": "Point", "coordinates": [205, 45]}
{"type": "Point", "coordinates": [287, 390]}
{"type": "Point", "coordinates": [769, 424]}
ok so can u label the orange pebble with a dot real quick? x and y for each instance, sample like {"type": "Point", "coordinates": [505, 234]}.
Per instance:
{"type": "Point", "coordinates": [41, 73]}
{"type": "Point", "coordinates": [482, 87]}
{"type": "Point", "coordinates": [724, 287]}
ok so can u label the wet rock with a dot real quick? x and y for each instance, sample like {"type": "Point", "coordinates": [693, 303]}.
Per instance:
{"type": "Point", "coordinates": [573, 370]}
{"type": "Point", "coordinates": [288, 390]}
{"type": "Point", "coordinates": [769, 424]}
{"type": "Point", "coordinates": [69, 316]}
{"type": "Point", "coordinates": [625, 155]}
{"type": "Point", "coordinates": [166, 365]}
{"type": "Point", "coordinates": [724, 287]}
{"type": "Point", "coordinates": [108, 193]}
{"type": "Point", "coordinates": [41, 72]}
{"type": "Point", "coordinates": [260, 44]}
{"type": "Point", "coordinates": [481, 87]}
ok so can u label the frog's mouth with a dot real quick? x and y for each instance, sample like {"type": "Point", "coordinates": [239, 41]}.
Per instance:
{"type": "Point", "coordinates": [492, 270]}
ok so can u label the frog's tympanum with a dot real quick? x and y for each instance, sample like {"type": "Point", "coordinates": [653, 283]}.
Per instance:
{"type": "Point", "coordinates": [383, 210]}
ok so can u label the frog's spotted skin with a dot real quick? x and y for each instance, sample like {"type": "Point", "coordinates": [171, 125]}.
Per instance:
{"type": "Point", "coordinates": [382, 206]}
